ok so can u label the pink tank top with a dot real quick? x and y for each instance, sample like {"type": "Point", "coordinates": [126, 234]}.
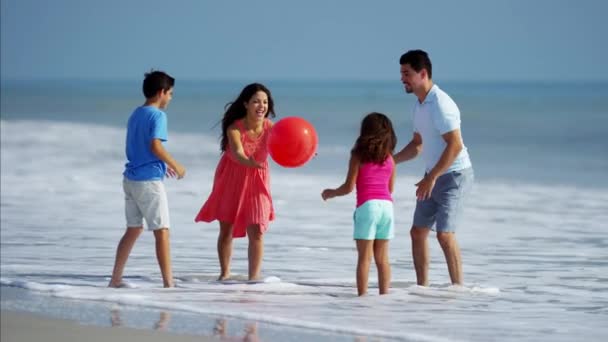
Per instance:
{"type": "Point", "coordinates": [373, 180]}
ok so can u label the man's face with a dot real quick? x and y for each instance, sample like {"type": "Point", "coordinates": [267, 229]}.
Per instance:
{"type": "Point", "coordinates": [165, 97]}
{"type": "Point", "coordinates": [411, 79]}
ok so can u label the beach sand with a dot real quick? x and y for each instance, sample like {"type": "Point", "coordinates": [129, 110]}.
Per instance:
{"type": "Point", "coordinates": [20, 327]}
{"type": "Point", "coordinates": [32, 316]}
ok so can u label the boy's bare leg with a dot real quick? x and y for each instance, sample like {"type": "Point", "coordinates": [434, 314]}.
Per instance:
{"type": "Point", "coordinates": [163, 255]}
{"type": "Point", "coordinates": [255, 251]}
{"type": "Point", "coordinates": [365, 251]}
{"type": "Point", "coordinates": [451, 250]}
{"type": "Point", "coordinates": [224, 249]}
{"type": "Point", "coordinates": [420, 253]}
{"type": "Point", "coordinates": [122, 254]}
{"type": "Point", "coordinates": [383, 265]}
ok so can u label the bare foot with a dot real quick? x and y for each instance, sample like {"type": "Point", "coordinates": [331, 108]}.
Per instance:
{"type": "Point", "coordinates": [116, 285]}
{"type": "Point", "coordinates": [223, 277]}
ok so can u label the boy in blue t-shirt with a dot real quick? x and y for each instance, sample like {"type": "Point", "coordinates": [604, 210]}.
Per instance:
{"type": "Point", "coordinates": [148, 163]}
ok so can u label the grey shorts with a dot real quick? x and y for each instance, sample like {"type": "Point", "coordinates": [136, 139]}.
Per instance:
{"type": "Point", "coordinates": [146, 200]}
{"type": "Point", "coordinates": [444, 208]}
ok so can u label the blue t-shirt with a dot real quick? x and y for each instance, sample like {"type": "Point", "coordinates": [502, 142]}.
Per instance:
{"type": "Point", "coordinates": [438, 114]}
{"type": "Point", "coordinates": [145, 124]}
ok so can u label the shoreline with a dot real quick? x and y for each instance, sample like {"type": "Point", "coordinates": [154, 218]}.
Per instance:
{"type": "Point", "coordinates": [24, 326]}
{"type": "Point", "coordinates": [31, 316]}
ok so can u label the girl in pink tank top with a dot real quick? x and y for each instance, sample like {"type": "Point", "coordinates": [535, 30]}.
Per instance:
{"type": "Point", "coordinates": [240, 199]}
{"type": "Point", "coordinates": [372, 171]}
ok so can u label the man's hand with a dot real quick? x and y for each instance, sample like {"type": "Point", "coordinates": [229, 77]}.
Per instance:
{"type": "Point", "coordinates": [425, 188]}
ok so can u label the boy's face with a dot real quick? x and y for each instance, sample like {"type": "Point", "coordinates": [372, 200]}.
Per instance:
{"type": "Point", "coordinates": [165, 97]}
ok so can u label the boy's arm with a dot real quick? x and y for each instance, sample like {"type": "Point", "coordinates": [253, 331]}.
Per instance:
{"type": "Point", "coordinates": [410, 151]}
{"type": "Point", "coordinates": [159, 151]}
{"type": "Point", "coordinates": [349, 183]}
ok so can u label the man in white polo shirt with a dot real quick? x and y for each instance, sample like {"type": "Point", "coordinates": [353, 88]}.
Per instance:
{"type": "Point", "coordinates": [448, 171]}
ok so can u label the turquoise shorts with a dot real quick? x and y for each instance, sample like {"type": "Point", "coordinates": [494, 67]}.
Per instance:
{"type": "Point", "coordinates": [374, 220]}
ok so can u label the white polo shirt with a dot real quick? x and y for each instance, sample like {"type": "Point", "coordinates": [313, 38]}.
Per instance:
{"type": "Point", "coordinates": [437, 115]}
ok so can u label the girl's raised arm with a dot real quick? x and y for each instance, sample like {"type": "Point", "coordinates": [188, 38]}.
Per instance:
{"type": "Point", "coordinates": [349, 183]}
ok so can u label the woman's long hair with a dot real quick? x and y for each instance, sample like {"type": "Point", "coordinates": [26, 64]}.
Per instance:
{"type": "Point", "coordinates": [377, 139]}
{"type": "Point", "coordinates": [236, 110]}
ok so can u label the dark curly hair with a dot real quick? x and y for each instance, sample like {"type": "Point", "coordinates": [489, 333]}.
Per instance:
{"type": "Point", "coordinates": [377, 139]}
{"type": "Point", "coordinates": [236, 109]}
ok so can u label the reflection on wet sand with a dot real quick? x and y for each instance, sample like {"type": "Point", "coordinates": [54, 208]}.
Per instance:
{"type": "Point", "coordinates": [250, 333]}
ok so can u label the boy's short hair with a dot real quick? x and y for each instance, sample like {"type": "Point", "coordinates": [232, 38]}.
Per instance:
{"type": "Point", "coordinates": [418, 60]}
{"type": "Point", "coordinates": [155, 81]}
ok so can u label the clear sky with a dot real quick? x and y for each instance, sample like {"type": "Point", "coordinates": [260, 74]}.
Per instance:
{"type": "Point", "coordinates": [305, 39]}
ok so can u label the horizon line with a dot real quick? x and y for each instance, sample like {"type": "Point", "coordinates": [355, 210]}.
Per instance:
{"type": "Point", "coordinates": [299, 79]}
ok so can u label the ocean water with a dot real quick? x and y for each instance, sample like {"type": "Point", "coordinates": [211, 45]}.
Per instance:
{"type": "Point", "coordinates": [534, 238]}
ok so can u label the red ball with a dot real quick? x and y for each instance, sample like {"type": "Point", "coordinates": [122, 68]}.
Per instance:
{"type": "Point", "coordinates": [292, 142]}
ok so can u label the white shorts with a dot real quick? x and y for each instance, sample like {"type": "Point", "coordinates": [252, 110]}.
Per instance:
{"type": "Point", "coordinates": [146, 200]}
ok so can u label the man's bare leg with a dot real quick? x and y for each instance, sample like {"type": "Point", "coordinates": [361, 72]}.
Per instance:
{"type": "Point", "coordinates": [420, 253]}
{"type": "Point", "coordinates": [451, 250]}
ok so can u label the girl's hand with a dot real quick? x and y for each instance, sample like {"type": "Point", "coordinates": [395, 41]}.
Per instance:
{"type": "Point", "coordinates": [254, 163]}
{"type": "Point", "coordinates": [327, 194]}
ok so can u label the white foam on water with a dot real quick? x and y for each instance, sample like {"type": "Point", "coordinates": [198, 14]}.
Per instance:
{"type": "Point", "coordinates": [534, 256]}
